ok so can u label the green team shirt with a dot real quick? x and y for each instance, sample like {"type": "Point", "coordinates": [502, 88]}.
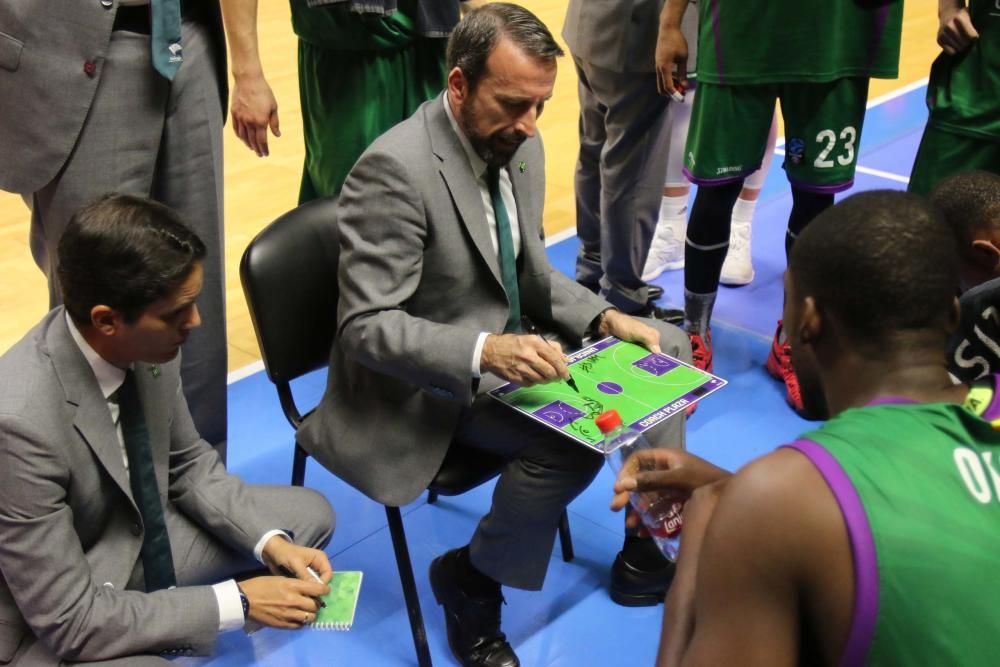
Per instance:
{"type": "Point", "coordinates": [919, 488]}
{"type": "Point", "coordinates": [964, 88]}
{"type": "Point", "coordinates": [745, 42]}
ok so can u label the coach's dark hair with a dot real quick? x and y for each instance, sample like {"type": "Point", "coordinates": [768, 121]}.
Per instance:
{"type": "Point", "coordinates": [970, 202]}
{"type": "Point", "coordinates": [882, 262]}
{"type": "Point", "coordinates": [124, 252]}
{"type": "Point", "coordinates": [478, 33]}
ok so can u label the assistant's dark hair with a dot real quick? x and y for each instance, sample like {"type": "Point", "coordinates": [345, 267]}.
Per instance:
{"type": "Point", "coordinates": [881, 262]}
{"type": "Point", "coordinates": [477, 35]}
{"type": "Point", "coordinates": [124, 252]}
{"type": "Point", "coordinates": [970, 202]}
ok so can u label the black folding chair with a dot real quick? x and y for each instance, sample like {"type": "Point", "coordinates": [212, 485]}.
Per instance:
{"type": "Point", "coordinates": [289, 276]}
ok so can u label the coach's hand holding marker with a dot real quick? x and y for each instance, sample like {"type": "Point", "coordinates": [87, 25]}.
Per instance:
{"type": "Point", "coordinates": [530, 328]}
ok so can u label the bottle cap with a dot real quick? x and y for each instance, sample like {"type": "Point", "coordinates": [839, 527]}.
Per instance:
{"type": "Point", "coordinates": [608, 421]}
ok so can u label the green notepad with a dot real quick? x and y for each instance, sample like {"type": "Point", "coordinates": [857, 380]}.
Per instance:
{"type": "Point", "coordinates": [341, 602]}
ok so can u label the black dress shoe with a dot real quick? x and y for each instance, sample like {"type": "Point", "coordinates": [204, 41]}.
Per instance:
{"type": "Point", "coordinates": [668, 315]}
{"type": "Point", "coordinates": [473, 623]}
{"type": "Point", "coordinates": [653, 293]}
{"type": "Point", "coordinates": [632, 587]}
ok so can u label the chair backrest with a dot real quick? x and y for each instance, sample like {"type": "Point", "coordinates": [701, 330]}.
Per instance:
{"type": "Point", "coordinates": [289, 276]}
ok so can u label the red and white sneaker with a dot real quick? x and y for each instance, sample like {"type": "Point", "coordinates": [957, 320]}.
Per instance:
{"type": "Point", "coordinates": [779, 365]}
{"type": "Point", "coordinates": [701, 350]}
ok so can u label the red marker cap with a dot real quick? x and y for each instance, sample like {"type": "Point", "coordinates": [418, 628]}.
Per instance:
{"type": "Point", "coordinates": [608, 421]}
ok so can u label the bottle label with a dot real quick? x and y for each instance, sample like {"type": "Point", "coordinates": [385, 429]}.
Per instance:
{"type": "Point", "coordinates": [671, 524]}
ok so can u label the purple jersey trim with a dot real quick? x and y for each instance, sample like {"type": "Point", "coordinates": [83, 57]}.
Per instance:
{"type": "Point", "coordinates": [891, 400]}
{"type": "Point", "coordinates": [881, 19]}
{"type": "Point", "coordinates": [866, 588]}
{"type": "Point", "coordinates": [714, 5]}
{"type": "Point", "coordinates": [992, 411]}
{"type": "Point", "coordinates": [830, 189]}
{"type": "Point", "coordinates": [722, 180]}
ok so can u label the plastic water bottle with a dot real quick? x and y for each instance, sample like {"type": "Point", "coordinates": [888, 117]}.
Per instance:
{"type": "Point", "coordinates": [661, 516]}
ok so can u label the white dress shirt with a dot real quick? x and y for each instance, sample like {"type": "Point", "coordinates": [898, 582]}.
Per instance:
{"type": "Point", "coordinates": [110, 378]}
{"type": "Point", "coordinates": [479, 166]}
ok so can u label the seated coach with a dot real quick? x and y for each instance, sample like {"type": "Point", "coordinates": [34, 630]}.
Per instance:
{"type": "Point", "coordinates": [442, 261]}
{"type": "Point", "coordinates": [119, 526]}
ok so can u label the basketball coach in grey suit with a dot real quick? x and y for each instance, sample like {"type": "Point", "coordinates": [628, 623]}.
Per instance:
{"type": "Point", "coordinates": [108, 496]}
{"type": "Point", "coordinates": [623, 144]}
{"type": "Point", "coordinates": [83, 112]}
{"type": "Point", "coordinates": [440, 227]}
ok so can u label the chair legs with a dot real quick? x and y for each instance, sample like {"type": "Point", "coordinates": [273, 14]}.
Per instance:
{"type": "Point", "coordinates": [409, 585]}
{"type": "Point", "coordinates": [299, 466]}
{"type": "Point", "coordinates": [565, 538]}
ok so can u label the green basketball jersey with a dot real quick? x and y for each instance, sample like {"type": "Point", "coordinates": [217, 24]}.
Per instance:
{"type": "Point", "coordinates": [745, 42]}
{"type": "Point", "coordinates": [919, 488]}
{"type": "Point", "coordinates": [964, 88]}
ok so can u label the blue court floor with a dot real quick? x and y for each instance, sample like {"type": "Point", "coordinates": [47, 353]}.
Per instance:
{"type": "Point", "coordinates": [572, 621]}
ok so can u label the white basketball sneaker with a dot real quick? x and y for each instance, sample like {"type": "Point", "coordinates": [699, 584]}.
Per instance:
{"type": "Point", "coordinates": [738, 267]}
{"type": "Point", "coordinates": [666, 252]}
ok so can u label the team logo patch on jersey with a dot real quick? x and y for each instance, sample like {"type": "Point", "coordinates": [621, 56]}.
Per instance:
{"type": "Point", "coordinates": [795, 150]}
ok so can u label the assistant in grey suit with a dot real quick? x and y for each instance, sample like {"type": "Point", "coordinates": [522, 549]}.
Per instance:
{"type": "Point", "coordinates": [623, 143]}
{"type": "Point", "coordinates": [419, 281]}
{"type": "Point", "coordinates": [70, 530]}
{"type": "Point", "coordinates": [83, 113]}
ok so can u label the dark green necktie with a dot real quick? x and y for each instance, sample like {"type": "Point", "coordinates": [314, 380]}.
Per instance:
{"type": "Point", "coordinates": [157, 563]}
{"type": "Point", "coordinates": [505, 251]}
{"type": "Point", "coordinates": [165, 36]}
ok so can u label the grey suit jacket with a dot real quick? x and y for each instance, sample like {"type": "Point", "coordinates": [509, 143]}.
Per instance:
{"type": "Point", "coordinates": [70, 532]}
{"type": "Point", "coordinates": [45, 90]}
{"type": "Point", "coordinates": [419, 280]}
{"type": "Point", "coordinates": [620, 35]}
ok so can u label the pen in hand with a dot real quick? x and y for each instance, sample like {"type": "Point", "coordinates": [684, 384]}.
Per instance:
{"type": "Point", "coordinates": [288, 573]}
{"type": "Point", "coordinates": [530, 328]}
{"type": "Point", "coordinates": [316, 577]}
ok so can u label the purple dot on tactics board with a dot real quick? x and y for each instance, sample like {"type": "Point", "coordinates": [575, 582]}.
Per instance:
{"type": "Point", "coordinates": [610, 388]}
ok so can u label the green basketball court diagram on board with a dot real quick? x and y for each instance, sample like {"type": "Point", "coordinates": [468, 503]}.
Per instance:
{"type": "Point", "coordinates": [645, 388]}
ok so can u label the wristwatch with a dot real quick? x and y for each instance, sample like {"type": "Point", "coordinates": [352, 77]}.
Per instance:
{"type": "Point", "coordinates": [245, 601]}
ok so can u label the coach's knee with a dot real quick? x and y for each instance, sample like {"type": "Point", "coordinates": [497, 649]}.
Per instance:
{"type": "Point", "coordinates": [315, 518]}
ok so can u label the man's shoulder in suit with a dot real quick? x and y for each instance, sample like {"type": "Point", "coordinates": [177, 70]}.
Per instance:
{"type": "Point", "coordinates": [29, 380]}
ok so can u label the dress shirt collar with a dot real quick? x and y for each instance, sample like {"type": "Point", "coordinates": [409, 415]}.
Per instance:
{"type": "Point", "coordinates": [477, 163]}
{"type": "Point", "coordinates": [109, 376]}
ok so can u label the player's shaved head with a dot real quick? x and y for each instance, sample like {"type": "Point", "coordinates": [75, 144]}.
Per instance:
{"type": "Point", "coordinates": [881, 263]}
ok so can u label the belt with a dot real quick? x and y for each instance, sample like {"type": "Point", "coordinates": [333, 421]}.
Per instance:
{"type": "Point", "coordinates": [135, 18]}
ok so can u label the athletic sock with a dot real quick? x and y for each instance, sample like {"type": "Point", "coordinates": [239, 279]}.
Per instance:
{"type": "Point", "coordinates": [472, 581]}
{"type": "Point", "coordinates": [743, 210]}
{"type": "Point", "coordinates": [673, 209]}
{"type": "Point", "coordinates": [806, 205]}
{"type": "Point", "coordinates": [698, 311]}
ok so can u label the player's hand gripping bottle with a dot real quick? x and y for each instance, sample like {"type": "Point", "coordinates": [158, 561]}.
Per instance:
{"type": "Point", "coordinates": [660, 514]}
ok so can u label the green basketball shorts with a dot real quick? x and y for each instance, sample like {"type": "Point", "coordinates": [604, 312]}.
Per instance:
{"type": "Point", "coordinates": [729, 126]}
{"type": "Point", "coordinates": [943, 153]}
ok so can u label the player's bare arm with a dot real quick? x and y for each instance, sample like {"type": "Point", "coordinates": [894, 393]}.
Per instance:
{"type": "Point", "coordinates": [678, 608]}
{"type": "Point", "coordinates": [254, 108]}
{"type": "Point", "coordinates": [625, 327]}
{"type": "Point", "coordinates": [671, 48]}
{"type": "Point", "coordinates": [775, 566]}
{"type": "Point", "coordinates": [526, 360]}
{"type": "Point", "coordinates": [955, 31]}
